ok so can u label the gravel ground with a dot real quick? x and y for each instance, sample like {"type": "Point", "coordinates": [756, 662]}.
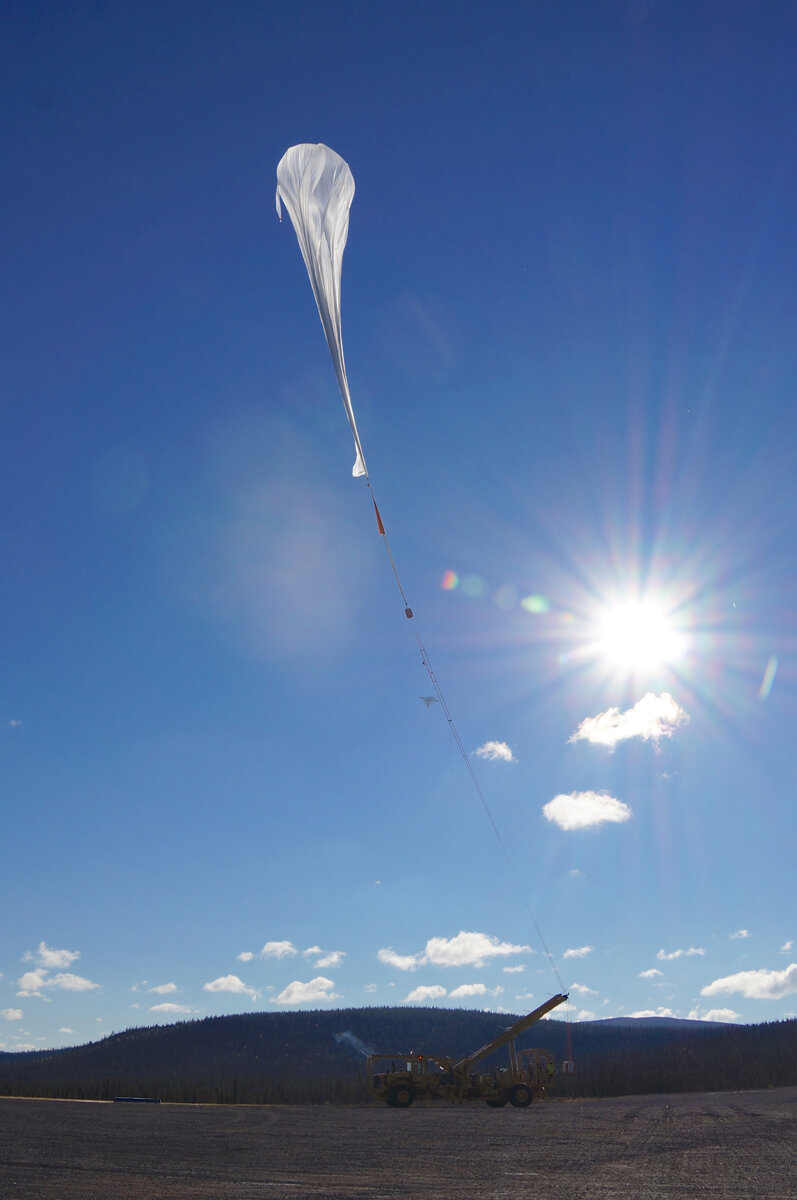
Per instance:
{"type": "Point", "coordinates": [724, 1145]}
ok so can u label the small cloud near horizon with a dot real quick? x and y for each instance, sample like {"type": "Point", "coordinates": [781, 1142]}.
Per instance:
{"type": "Point", "coordinates": [297, 992]}
{"type": "Point", "coordinates": [762, 984]}
{"type": "Point", "coordinates": [467, 949]}
{"type": "Point", "coordinates": [231, 984]}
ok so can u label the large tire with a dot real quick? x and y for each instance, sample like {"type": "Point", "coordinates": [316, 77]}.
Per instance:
{"type": "Point", "coordinates": [521, 1095]}
{"type": "Point", "coordinates": [401, 1095]}
{"type": "Point", "coordinates": [498, 1102]}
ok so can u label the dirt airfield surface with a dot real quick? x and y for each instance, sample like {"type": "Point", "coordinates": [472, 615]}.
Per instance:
{"type": "Point", "coordinates": [728, 1144]}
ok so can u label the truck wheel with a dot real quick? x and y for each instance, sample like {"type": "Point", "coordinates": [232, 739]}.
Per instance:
{"type": "Point", "coordinates": [521, 1095]}
{"type": "Point", "coordinates": [498, 1102]}
{"type": "Point", "coordinates": [401, 1096]}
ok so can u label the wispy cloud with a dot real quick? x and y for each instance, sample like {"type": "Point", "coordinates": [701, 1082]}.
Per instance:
{"type": "Point", "coordinates": [585, 810]}
{"type": "Point", "coordinates": [464, 950]}
{"type": "Point", "coordinates": [756, 985]}
{"type": "Point", "coordinates": [513, 970]}
{"type": "Point", "coordinates": [495, 752]}
{"type": "Point", "coordinates": [11, 1014]}
{"type": "Point", "coordinates": [164, 989]}
{"type": "Point", "coordinates": [651, 974]}
{"type": "Point", "coordinates": [582, 989]}
{"type": "Point", "coordinates": [652, 1012]}
{"type": "Point", "coordinates": [651, 718]}
{"type": "Point", "coordinates": [740, 933]}
{"type": "Point", "coordinates": [231, 984]}
{"type": "Point", "coordinates": [245, 956]}
{"type": "Point", "coordinates": [14, 723]}
{"type": "Point", "coordinates": [787, 946]}
{"type": "Point", "coordinates": [297, 992]}
{"type": "Point", "coordinates": [669, 955]}
{"type": "Point", "coordinates": [578, 952]}
{"type": "Point", "coordinates": [168, 1007]}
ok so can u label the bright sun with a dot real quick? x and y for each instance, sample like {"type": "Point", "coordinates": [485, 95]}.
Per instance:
{"type": "Point", "coordinates": [638, 635]}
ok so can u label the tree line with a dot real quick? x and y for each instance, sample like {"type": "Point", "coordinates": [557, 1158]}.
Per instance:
{"type": "Point", "coordinates": [306, 1058]}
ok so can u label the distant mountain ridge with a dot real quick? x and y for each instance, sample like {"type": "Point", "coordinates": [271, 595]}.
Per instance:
{"type": "Point", "coordinates": [290, 1057]}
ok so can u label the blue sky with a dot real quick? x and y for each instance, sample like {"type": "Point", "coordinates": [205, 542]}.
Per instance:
{"type": "Point", "coordinates": [569, 321]}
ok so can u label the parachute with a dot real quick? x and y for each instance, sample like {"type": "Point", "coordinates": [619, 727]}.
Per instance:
{"type": "Point", "coordinates": [317, 187]}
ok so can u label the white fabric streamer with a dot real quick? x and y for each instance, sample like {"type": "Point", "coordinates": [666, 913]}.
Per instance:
{"type": "Point", "coordinates": [317, 187]}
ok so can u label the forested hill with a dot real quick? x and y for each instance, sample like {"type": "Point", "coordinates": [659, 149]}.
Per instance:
{"type": "Point", "coordinates": [313, 1056]}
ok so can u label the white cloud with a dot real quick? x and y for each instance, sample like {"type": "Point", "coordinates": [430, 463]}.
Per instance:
{"type": "Point", "coordinates": [230, 983]}
{"type": "Point", "coordinates": [468, 949]}
{"type": "Point", "coordinates": [31, 983]}
{"type": "Point", "coordinates": [668, 956]}
{"type": "Point", "coordinates": [278, 950]}
{"type": "Point", "coordinates": [370, 987]}
{"type": "Point", "coordinates": [465, 950]}
{"type": "Point", "coordinates": [584, 1014]}
{"type": "Point", "coordinates": [419, 994]}
{"type": "Point", "coordinates": [48, 959]}
{"type": "Point", "coordinates": [11, 1014]}
{"type": "Point", "coordinates": [525, 996]}
{"type": "Point", "coordinates": [333, 959]}
{"type": "Point", "coordinates": [513, 970]}
{"type": "Point", "coordinates": [14, 723]}
{"type": "Point", "coordinates": [297, 992]}
{"type": "Point", "coordinates": [245, 956]}
{"type": "Point", "coordinates": [171, 1008]}
{"type": "Point", "coordinates": [324, 958]}
{"type": "Point", "coordinates": [714, 1014]}
{"type": "Point", "coordinates": [756, 985]}
{"type": "Point", "coordinates": [740, 933]}
{"type": "Point", "coordinates": [65, 1029]}
{"type": "Point", "coordinates": [585, 810]}
{"type": "Point", "coordinates": [582, 989]}
{"type": "Point", "coordinates": [578, 952]}
{"type": "Point", "coordinates": [474, 989]}
{"type": "Point", "coordinates": [495, 752]}
{"type": "Point", "coordinates": [651, 974]}
{"type": "Point", "coordinates": [652, 1012]}
{"type": "Point", "coordinates": [70, 982]}
{"type": "Point", "coordinates": [164, 989]}
{"type": "Point", "coordinates": [404, 962]}
{"type": "Point", "coordinates": [786, 947]}
{"type": "Point", "coordinates": [651, 718]}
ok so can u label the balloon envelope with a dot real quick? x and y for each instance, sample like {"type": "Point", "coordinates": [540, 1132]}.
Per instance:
{"type": "Point", "coordinates": [317, 187]}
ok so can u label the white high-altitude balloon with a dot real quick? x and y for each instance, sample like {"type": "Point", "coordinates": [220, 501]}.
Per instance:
{"type": "Point", "coordinates": [317, 187]}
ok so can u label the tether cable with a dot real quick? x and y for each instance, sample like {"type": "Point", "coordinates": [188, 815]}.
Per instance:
{"type": "Point", "coordinates": [460, 745]}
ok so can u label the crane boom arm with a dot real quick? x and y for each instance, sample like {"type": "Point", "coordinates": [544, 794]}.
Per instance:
{"type": "Point", "coordinates": [510, 1034]}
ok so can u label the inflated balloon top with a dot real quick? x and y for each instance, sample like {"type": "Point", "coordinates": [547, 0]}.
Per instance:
{"type": "Point", "coordinates": [317, 187]}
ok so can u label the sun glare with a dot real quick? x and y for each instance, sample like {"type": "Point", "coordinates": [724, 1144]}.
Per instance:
{"type": "Point", "coordinates": [638, 635]}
